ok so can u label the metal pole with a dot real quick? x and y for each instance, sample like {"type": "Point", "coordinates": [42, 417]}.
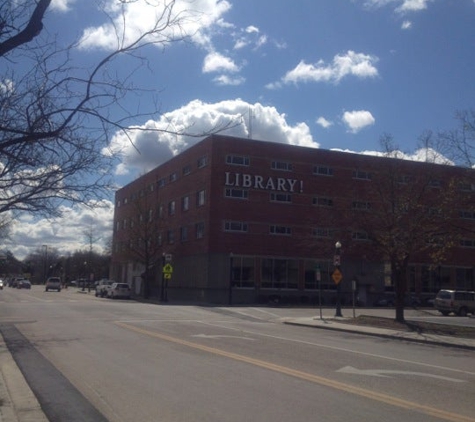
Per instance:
{"type": "Point", "coordinates": [231, 262]}
{"type": "Point", "coordinates": [337, 263]}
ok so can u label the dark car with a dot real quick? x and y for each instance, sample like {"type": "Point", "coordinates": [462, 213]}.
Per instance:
{"type": "Point", "coordinates": [23, 284]}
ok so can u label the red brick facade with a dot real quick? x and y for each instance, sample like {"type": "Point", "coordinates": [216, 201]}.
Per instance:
{"type": "Point", "coordinates": [266, 215]}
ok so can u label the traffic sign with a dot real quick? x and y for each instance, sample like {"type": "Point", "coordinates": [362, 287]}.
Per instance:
{"type": "Point", "coordinates": [337, 276]}
{"type": "Point", "coordinates": [167, 269]}
{"type": "Point", "coordinates": [167, 276]}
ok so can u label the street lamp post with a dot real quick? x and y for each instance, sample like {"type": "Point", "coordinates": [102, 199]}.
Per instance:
{"type": "Point", "coordinates": [337, 277]}
{"type": "Point", "coordinates": [231, 262]}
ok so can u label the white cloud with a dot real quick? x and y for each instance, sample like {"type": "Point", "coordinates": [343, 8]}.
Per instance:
{"type": "Point", "coordinates": [251, 28]}
{"type": "Point", "coordinates": [357, 120]}
{"type": "Point", "coordinates": [225, 80]}
{"type": "Point", "coordinates": [216, 62]}
{"type": "Point", "coordinates": [61, 5]}
{"type": "Point", "coordinates": [150, 149]}
{"type": "Point", "coordinates": [413, 5]}
{"type": "Point", "coordinates": [321, 121]}
{"type": "Point", "coordinates": [406, 25]}
{"type": "Point", "coordinates": [132, 19]}
{"type": "Point", "coordinates": [67, 233]}
{"type": "Point", "coordinates": [401, 6]}
{"type": "Point", "coordinates": [343, 65]}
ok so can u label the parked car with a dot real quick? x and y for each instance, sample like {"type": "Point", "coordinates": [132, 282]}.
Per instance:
{"type": "Point", "coordinates": [119, 290]}
{"type": "Point", "coordinates": [53, 283]}
{"type": "Point", "coordinates": [23, 284]}
{"type": "Point", "coordinates": [102, 287]}
{"type": "Point", "coordinates": [1, 284]}
{"type": "Point", "coordinates": [460, 302]}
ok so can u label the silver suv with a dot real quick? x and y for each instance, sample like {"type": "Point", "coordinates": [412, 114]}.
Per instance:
{"type": "Point", "coordinates": [53, 283]}
{"type": "Point", "coordinates": [460, 302]}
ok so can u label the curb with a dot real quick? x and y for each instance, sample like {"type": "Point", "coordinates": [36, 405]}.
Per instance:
{"type": "Point", "coordinates": [395, 336]}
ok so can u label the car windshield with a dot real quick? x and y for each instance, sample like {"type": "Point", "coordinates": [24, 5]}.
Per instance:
{"type": "Point", "coordinates": [443, 294]}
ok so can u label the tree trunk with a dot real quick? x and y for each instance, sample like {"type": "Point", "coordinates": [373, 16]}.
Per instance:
{"type": "Point", "coordinates": [400, 290]}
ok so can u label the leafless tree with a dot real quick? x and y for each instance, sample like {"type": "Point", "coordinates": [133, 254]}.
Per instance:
{"type": "Point", "coordinates": [460, 142]}
{"type": "Point", "coordinates": [411, 217]}
{"type": "Point", "coordinates": [145, 234]}
{"type": "Point", "coordinates": [56, 117]}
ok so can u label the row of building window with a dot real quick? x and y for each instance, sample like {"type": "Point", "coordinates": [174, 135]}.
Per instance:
{"type": "Point", "coordinates": [278, 273]}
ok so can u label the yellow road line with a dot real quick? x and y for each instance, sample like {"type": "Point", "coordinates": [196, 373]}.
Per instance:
{"type": "Point", "coordinates": [383, 398]}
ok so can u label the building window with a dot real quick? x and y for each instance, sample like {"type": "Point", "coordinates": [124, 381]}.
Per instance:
{"type": "Point", "coordinates": [202, 162]}
{"type": "Point", "coordinates": [200, 230]}
{"type": "Point", "coordinates": [279, 273]}
{"type": "Point", "coordinates": [280, 197]}
{"type": "Point", "coordinates": [404, 179]}
{"type": "Point", "coordinates": [186, 170]}
{"type": "Point", "coordinates": [160, 211]}
{"type": "Point", "coordinates": [126, 200]}
{"type": "Point", "coordinates": [172, 177]}
{"type": "Point", "coordinates": [321, 201]}
{"type": "Point", "coordinates": [184, 233]}
{"type": "Point", "coordinates": [235, 226]}
{"type": "Point", "coordinates": [323, 171]}
{"type": "Point", "coordinates": [237, 160]}
{"type": "Point", "coordinates": [467, 243]}
{"type": "Point", "coordinates": [362, 175]}
{"type": "Point", "coordinates": [361, 205]}
{"type": "Point", "coordinates": [435, 183]}
{"type": "Point", "coordinates": [467, 214]}
{"type": "Point", "coordinates": [150, 215]}
{"type": "Point", "coordinates": [322, 232]}
{"type": "Point", "coordinates": [185, 203]}
{"type": "Point", "coordinates": [160, 239]}
{"type": "Point", "coordinates": [171, 208]}
{"type": "Point", "coordinates": [236, 193]}
{"type": "Point", "coordinates": [162, 182]}
{"type": "Point", "coordinates": [280, 230]}
{"type": "Point", "coordinates": [117, 225]}
{"type": "Point", "coordinates": [124, 223]}
{"type": "Point", "coordinates": [118, 203]}
{"type": "Point", "coordinates": [242, 272]}
{"type": "Point", "coordinates": [200, 198]}
{"type": "Point", "coordinates": [170, 237]}
{"type": "Point", "coordinates": [281, 165]}
{"type": "Point", "coordinates": [359, 235]}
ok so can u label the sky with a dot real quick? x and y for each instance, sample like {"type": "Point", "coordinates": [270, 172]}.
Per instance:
{"type": "Point", "coordinates": [332, 74]}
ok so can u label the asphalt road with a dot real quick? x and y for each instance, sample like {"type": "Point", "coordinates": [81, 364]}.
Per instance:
{"type": "Point", "coordinates": [96, 359]}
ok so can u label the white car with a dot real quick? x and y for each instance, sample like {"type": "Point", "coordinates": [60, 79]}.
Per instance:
{"type": "Point", "coordinates": [119, 290]}
{"type": "Point", "coordinates": [53, 283]}
{"type": "Point", "coordinates": [1, 284]}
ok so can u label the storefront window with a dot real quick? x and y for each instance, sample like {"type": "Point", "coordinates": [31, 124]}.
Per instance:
{"type": "Point", "coordinates": [279, 273]}
{"type": "Point", "coordinates": [243, 272]}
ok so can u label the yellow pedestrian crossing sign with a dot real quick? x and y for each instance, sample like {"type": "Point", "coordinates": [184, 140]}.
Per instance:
{"type": "Point", "coordinates": [337, 276]}
{"type": "Point", "coordinates": [167, 269]}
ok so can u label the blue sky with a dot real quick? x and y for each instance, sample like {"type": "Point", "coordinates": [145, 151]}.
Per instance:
{"type": "Point", "coordinates": [333, 74]}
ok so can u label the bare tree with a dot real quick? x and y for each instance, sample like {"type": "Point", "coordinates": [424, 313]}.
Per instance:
{"type": "Point", "coordinates": [460, 142]}
{"type": "Point", "coordinates": [410, 218]}
{"type": "Point", "coordinates": [55, 117]}
{"type": "Point", "coordinates": [145, 234]}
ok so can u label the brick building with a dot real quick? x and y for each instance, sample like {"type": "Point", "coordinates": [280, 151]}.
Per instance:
{"type": "Point", "coordinates": [245, 221]}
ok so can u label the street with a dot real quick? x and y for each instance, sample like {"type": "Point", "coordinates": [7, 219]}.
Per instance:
{"type": "Point", "coordinates": [96, 359]}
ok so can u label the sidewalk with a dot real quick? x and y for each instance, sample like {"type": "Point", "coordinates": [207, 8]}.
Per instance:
{"type": "Point", "coordinates": [337, 324]}
{"type": "Point", "coordinates": [17, 401]}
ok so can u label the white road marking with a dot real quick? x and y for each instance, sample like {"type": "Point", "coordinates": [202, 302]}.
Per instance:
{"type": "Point", "coordinates": [387, 373]}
